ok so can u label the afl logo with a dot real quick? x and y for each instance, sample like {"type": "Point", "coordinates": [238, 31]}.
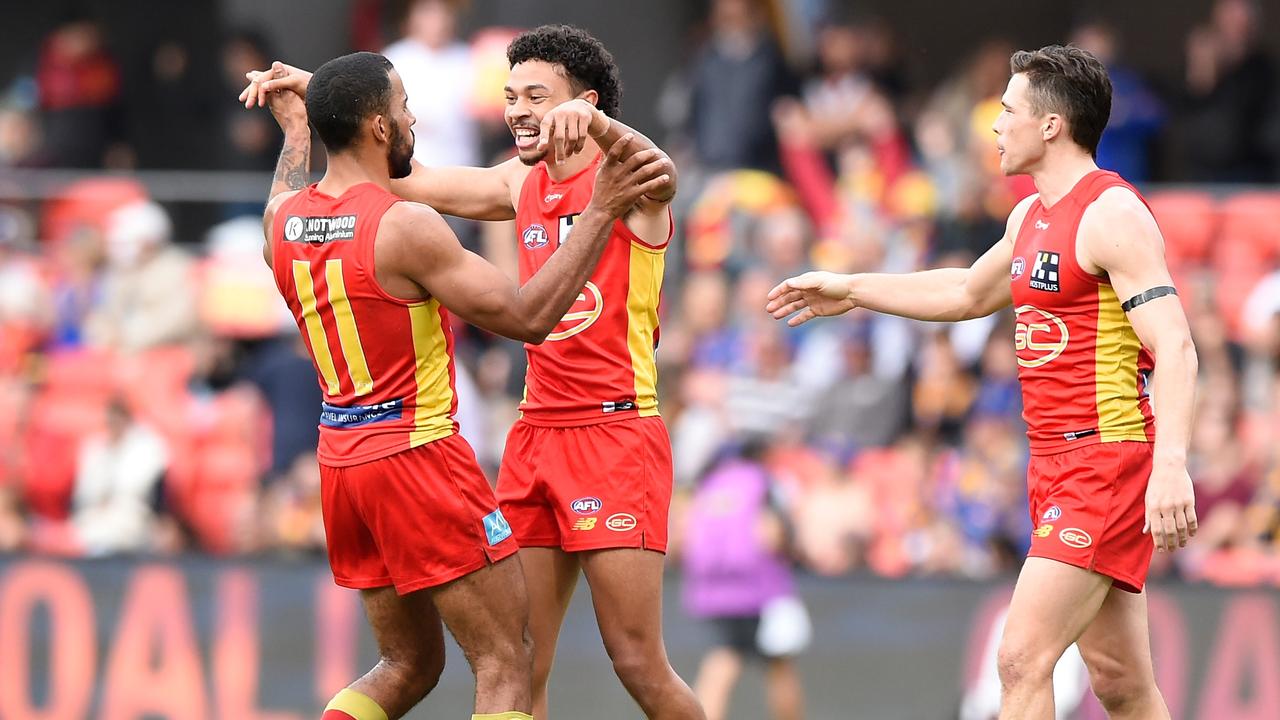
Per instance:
{"type": "Point", "coordinates": [1019, 266]}
{"type": "Point", "coordinates": [621, 522]}
{"type": "Point", "coordinates": [582, 314]}
{"type": "Point", "coordinates": [1039, 337]}
{"type": "Point", "coordinates": [1053, 513]}
{"type": "Point", "coordinates": [586, 505]}
{"type": "Point", "coordinates": [293, 228]}
{"type": "Point", "coordinates": [535, 236]}
{"type": "Point", "coordinates": [1075, 537]}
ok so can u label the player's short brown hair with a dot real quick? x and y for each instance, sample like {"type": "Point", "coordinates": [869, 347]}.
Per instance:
{"type": "Point", "coordinates": [1071, 82]}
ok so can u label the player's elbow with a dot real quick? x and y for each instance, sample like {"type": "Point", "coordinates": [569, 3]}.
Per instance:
{"type": "Point", "coordinates": [536, 331]}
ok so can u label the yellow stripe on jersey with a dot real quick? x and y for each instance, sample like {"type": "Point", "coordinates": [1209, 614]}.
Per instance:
{"type": "Point", "coordinates": [434, 398]}
{"type": "Point", "coordinates": [1116, 372]}
{"type": "Point", "coordinates": [348, 335]}
{"type": "Point", "coordinates": [647, 266]}
{"type": "Point", "coordinates": [315, 326]}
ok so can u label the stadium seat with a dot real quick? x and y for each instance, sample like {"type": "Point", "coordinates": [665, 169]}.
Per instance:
{"type": "Point", "coordinates": [1247, 249]}
{"type": "Point", "coordinates": [81, 372]}
{"type": "Point", "coordinates": [1188, 220]}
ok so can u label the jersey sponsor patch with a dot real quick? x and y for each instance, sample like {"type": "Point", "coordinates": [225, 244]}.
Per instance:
{"type": "Point", "coordinates": [496, 528]}
{"type": "Point", "coordinates": [1044, 274]}
{"type": "Point", "coordinates": [350, 416]}
{"type": "Point", "coordinates": [566, 226]}
{"type": "Point", "coordinates": [319, 230]}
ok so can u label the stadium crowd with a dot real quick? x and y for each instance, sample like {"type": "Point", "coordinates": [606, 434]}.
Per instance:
{"type": "Point", "coordinates": [154, 399]}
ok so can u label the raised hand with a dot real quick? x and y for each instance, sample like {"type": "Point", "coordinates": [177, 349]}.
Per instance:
{"type": "Point", "coordinates": [568, 125]}
{"type": "Point", "coordinates": [280, 77]}
{"type": "Point", "coordinates": [811, 295]}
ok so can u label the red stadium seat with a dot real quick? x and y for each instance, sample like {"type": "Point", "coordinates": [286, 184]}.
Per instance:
{"type": "Point", "coordinates": [1247, 249]}
{"type": "Point", "coordinates": [81, 372]}
{"type": "Point", "coordinates": [1188, 220]}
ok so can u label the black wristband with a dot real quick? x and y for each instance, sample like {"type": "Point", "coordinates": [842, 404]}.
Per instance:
{"type": "Point", "coordinates": [1148, 296]}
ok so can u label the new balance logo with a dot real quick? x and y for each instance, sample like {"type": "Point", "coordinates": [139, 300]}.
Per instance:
{"type": "Point", "coordinates": [1044, 274]}
{"type": "Point", "coordinates": [1042, 225]}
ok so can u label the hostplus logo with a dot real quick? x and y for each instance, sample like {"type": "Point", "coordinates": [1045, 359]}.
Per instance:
{"type": "Point", "coordinates": [1044, 274]}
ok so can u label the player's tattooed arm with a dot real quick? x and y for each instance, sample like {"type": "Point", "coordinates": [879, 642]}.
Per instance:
{"type": "Point", "coordinates": [293, 169]}
{"type": "Point", "coordinates": [282, 90]}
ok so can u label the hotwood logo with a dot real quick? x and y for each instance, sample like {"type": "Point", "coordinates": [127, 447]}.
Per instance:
{"type": "Point", "coordinates": [317, 230]}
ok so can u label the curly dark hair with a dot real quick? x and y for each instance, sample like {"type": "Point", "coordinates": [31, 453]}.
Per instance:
{"type": "Point", "coordinates": [1072, 82]}
{"type": "Point", "coordinates": [585, 60]}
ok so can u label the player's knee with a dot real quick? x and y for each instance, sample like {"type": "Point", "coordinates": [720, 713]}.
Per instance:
{"type": "Point", "coordinates": [417, 674]}
{"type": "Point", "coordinates": [507, 661]}
{"type": "Point", "coordinates": [1021, 663]}
{"type": "Point", "coordinates": [1117, 688]}
{"type": "Point", "coordinates": [637, 664]}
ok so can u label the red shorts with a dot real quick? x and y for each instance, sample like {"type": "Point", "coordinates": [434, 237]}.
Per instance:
{"type": "Point", "coordinates": [589, 487]}
{"type": "Point", "coordinates": [1089, 505]}
{"type": "Point", "coordinates": [416, 519]}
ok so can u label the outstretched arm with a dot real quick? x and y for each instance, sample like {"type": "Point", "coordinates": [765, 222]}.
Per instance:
{"type": "Point", "coordinates": [419, 246]}
{"type": "Point", "coordinates": [475, 193]}
{"type": "Point", "coordinates": [944, 294]}
{"type": "Point", "coordinates": [1121, 238]}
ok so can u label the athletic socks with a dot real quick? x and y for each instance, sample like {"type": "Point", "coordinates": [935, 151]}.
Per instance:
{"type": "Point", "coordinates": [503, 716]}
{"type": "Point", "coordinates": [351, 705]}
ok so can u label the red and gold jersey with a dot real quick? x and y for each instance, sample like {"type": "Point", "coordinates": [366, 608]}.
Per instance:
{"type": "Point", "coordinates": [1084, 372]}
{"type": "Point", "coordinates": [385, 364]}
{"type": "Point", "coordinates": [598, 363]}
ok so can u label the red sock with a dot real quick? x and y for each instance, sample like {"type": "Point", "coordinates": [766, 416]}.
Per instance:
{"type": "Point", "coordinates": [336, 715]}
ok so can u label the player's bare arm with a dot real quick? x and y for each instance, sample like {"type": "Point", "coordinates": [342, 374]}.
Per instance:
{"type": "Point", "coordinates": [416, 244]}
{"type": "Point", "coordinates": [566, 130]}
{"type": "Point", "coordinates": [474, 193]}
{"type": "Point", "coordinates": [293, 169]}
{"type": "Point", "coordinates": [1119, 237]}
{"type": "Point", "coordinates": [942, 294]}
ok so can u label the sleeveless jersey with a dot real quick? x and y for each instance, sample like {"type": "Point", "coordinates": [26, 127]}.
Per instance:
{"type": "Point", "coordinates": [385, 364]}
{"type": "Point", "coordinates": [1083, 371]}
{"type": "Point", "coordinates": [598, 364]}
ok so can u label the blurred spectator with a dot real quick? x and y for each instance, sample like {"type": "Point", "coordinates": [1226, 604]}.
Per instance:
{"type": "Point", "coordinates": [1137, 115]}
{"type": "Point", "coordinates": [439, 79]}
{"type": "Point", "coordinates": [283, 373]}
{"type": "Point", "coordinates": [147, 297]}
{"type": "Point", "coordinates": [735, 80]}
{"type": "Point", "coordinates": [1230, 98]}
{"type": "Point", "coordinates": [252, 140]}
{"type": "Point", "coordinates": [13, 528]}
{"type": "Point", "coordinates": [290, 509]}
{"type": "Point", "coordinates": [117, 480]}
{"type": "Point", "coordinates": [738, 578]}
{"type": "Point", "coordinates": [78, 278]}
{"type": "Point", "coordinates": [25, 312]}
{"type": "Point", "coordinates": [20, 138]}
{"type": "Point", "coordinates": [176, 108]}
{"type": "Point", "coordinates": [79, 89]}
